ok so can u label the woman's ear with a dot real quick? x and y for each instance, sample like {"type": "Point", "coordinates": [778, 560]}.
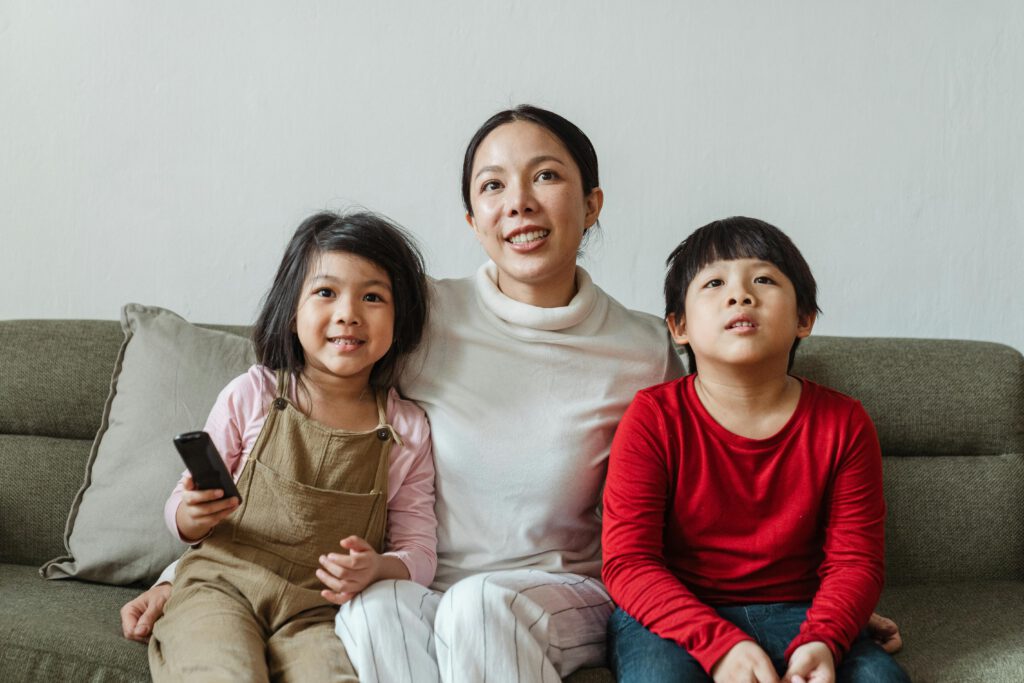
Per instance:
{"type": "Point", "coordinates": [677, 328]}
{"type": "Point", "coordinates": [594, 201]}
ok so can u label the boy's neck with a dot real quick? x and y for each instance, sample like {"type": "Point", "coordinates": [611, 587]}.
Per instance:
{"type": "Point", "coordinates": [746, 402]}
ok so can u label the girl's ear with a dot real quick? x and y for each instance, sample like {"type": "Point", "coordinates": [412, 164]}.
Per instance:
{"type": "Point", "coordinates": [804, 325]}
{"type": "Point", "coordinates": [594, 201]}
{"type": "Point", "coordinates": [677, 328]}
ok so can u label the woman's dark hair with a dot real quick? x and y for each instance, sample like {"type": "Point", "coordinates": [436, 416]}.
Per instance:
{"type": "Point", "coordinates": [734, 238]}
{"type": "Point", "coordinates": [364, 234]}
{"type": "Point", "coordinates": [574, 139]}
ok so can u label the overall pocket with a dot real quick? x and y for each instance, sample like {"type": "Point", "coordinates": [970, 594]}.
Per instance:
{"type": "Point", "coordinates": [298, 522]}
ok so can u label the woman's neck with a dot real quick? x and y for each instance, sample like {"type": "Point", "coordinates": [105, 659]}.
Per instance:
{"type": "Point", "coordinates": [554, 293]}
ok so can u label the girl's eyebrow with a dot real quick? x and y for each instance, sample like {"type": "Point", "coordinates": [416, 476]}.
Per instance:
{"type": "Point", "coordinates": [532, 162]}
{"type": "Point", "coordinates": [320, 277]}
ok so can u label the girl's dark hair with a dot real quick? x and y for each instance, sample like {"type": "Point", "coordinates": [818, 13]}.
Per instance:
{"type": "Point", "coordinates": [364, 234]}
{"type": "Point", "coordinates": [574, 139]}
{"type": "Point", "coordinates": [734, 238]}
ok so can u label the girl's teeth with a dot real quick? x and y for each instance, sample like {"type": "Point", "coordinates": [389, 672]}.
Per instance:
{"type": "Point", "coordinates": [528, 236]}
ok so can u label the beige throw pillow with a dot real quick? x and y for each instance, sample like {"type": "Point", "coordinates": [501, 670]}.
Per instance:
{"type": "Point", "coordinates": [166, 378]}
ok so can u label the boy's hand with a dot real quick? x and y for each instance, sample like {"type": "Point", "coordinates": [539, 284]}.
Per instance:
{"type": "Point", "coordinates": [745, 662]}
{"type": "Point", "coordinates": [811, 663]}
{"type": "Point", "coordinates": [200, 511]}
{"type": "Point", "coordinates": [885, 632]}
{"type": "Point", "coordinates": [346, 575]}
{"type": "Point", "coordinates": [139, 615]}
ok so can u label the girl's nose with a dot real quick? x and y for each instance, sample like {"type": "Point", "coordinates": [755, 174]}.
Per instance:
{"type": "Point", "coordinates": [346, 312]}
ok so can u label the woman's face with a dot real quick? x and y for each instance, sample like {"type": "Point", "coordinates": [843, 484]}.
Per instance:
{"type": "Point", "coordinates": [529, 212]}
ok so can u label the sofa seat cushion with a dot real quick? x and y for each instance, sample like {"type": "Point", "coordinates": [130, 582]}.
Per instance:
{"type": "Point", "coordinates": [960, 632]}
{"type": "Point", "coordinates": [64, 630]}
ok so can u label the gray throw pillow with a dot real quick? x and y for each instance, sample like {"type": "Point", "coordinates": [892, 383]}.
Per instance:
{"type": "Point", "coordinates": [166, 378]}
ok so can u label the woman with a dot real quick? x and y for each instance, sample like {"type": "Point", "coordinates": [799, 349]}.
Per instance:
{"type": "Point", "coordinates": [527, 369]}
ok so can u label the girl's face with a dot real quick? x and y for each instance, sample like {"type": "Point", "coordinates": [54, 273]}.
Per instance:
{"type": "Point", "coordinates": [345, 319]}
{"type": "Point", "coordinates": [529, 212]}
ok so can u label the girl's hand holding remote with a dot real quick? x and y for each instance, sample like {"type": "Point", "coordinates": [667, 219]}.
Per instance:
{"type": "Point", "coordinates": [200, 511]}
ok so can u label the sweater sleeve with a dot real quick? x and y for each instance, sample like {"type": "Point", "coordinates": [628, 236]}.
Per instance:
{"type": "Point", "coordinates": [238, 403]}
{"type": "Point", "coordinates": [411, 533]}
{"type": "Point", "coordinates": [635, 498]}
{"type": "Point", "coordinates": [852, 570]}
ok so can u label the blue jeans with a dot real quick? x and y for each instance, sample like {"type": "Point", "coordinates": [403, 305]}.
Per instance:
{"type": "Point", "coordinates": [639, 656]}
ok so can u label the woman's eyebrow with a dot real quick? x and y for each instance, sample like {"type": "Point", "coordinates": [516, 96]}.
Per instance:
{"type": "Point", "coordinates": [533, 162]}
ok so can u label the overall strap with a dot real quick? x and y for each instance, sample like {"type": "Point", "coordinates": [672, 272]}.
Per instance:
{"type": "Point", "coordinates": [282, 384]}
{"type": "Point", "coordinates": [383, 428]}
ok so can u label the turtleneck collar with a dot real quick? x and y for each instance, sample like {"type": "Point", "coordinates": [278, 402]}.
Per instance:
{"type": "Point", "coordinates": [534, 317]}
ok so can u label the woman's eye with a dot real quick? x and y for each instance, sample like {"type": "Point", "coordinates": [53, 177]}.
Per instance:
{"type": "Point", "coordinates": [490, 186]}
{"type": "Point", "coordinates": [547, 175]}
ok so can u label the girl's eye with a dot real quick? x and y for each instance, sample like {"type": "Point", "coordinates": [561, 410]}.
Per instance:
{"type": "Point", "coordinates": [764, 280]}
{"type": "Point", "coordinates": [490, 186]}
{"type": "Point", "coordinates": [713, 283]}
{"type": "Point", "coordinates": [324, 292]}
{"type": "Point", "coordinates": [374, 298]}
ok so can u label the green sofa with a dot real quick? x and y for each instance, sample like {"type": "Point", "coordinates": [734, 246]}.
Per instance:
{"type": "Point", "coordinates": [950, 415]}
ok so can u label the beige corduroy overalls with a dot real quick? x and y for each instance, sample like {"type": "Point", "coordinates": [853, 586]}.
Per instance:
{"type": "Point", "coordinates": [246, 602]}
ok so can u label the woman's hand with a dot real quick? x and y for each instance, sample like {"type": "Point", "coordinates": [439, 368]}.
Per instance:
{"type": "Point", "coordinates": [811, 663]}
{"type": "Point", "coordinates": [885, 632]}
{"type": "Point", "coordinates": [200, 511]}
{"type": "Point", "coordinates": [747, 662]}
{"type": "Point", "coordinates": [345, 576]}
{"type": "Point", "coordinates": [139, 615]}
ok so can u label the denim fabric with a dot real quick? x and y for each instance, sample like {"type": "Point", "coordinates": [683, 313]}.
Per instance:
{"type": "Point", "coordinates": [639, 656]}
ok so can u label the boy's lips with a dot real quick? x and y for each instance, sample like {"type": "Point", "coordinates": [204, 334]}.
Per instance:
{"type": "Point", "coordinates": [741, 322]}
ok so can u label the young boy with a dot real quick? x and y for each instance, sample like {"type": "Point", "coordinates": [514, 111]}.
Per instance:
{"type": "Point", "coordinates": [743, 511]}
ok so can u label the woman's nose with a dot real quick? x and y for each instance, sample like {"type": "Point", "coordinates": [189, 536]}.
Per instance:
{"type": "Point", "coordinates": [520, 199]}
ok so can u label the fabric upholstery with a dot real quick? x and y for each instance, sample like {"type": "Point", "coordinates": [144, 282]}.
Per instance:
{"type": "Point", "coordinates": [166, 377]}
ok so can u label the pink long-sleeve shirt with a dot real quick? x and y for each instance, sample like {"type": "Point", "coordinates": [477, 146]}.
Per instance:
{"type": "Point", "coordinates": [411, 535]}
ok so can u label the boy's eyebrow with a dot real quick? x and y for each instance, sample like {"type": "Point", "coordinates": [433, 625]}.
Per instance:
{"type": "Point", "coordinates": [532, 162]}
{"type": "Point", "coordinates": [321, 277]}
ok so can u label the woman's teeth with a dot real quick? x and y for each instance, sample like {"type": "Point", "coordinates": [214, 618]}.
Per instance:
{"type": "Point", "coordinates": [528, 236]}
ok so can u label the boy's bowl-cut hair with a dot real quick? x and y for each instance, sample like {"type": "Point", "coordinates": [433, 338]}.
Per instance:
{"type": "Point", "coordinates": [734, 238]}
{"type": "Point", "coordinates": [364, 234]}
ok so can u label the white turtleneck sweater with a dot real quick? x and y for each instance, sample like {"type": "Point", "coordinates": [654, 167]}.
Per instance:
{"type": "Point", "coordinates": [523, 402]}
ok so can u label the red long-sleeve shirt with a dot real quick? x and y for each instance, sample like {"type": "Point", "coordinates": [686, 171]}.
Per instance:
{"type": "Point", "coordinates": [695, 516]}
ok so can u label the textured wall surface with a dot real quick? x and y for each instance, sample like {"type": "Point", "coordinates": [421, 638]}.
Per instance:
{"type": "Point", "coordinates": [163, 152]}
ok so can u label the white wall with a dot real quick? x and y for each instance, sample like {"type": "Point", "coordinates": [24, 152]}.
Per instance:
{"type": "Point", "coordinates": [162, 152]}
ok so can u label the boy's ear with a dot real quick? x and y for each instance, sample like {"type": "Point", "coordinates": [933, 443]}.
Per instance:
{"type": "Point", "coordinates": [804, 325]}
{"type": "Point", "coordinates": [677, 328]}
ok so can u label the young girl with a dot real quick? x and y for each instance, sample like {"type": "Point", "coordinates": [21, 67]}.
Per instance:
{"type": "Point", "coordinates": [323, 452]}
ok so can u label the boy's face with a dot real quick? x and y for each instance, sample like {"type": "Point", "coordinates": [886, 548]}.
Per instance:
{"type": "Point", "coordinates": [740, 312]}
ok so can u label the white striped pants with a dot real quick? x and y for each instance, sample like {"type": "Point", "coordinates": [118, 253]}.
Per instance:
{"type": "Point", "coordinates": [522, 625]}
